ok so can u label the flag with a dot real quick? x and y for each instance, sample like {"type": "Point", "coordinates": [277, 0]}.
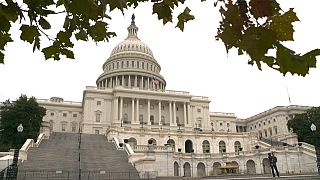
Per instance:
{"type": "Point", "coordinates": [155, 81]}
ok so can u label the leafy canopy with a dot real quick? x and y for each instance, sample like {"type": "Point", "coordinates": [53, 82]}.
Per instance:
{"type": "Point", "coordinates": [25, 111]}
{"type": "Point", "coordinates": [301, 124]}
{"type": "Point", "coordinates": [254, 27]}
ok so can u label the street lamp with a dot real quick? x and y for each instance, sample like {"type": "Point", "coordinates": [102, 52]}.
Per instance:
{"type": "Point", "coordinates": [314, 130]}
{"type": "Point", "coordinates": [13, 169]}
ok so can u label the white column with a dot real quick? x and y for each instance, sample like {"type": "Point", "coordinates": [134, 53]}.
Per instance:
{"type": "Point", "coordinates": [122, 81]}
{"type": "Point", "coordinates": [174, 114]}
{"type": "Point", "coordinates": [141, 82]}
{"type": "Point", "coordinates": [116, 84]}
{"type": "Point", "coordinates": [132, 111]}
{"type": "Point", "coordinates": [135, 81]}
{"type": "Point", "coordinates": [184, 114]}
{"type": "Point", "coordinates": [148, 83]}
{"type": "Point", "coordinates": [129, 81]}
{"type": "Point", "coordinates": [116, 109]}
{"type": "Point", "coordinates": [159, 104]}
{"type": "Point", "coordinates": [188, 113]}
{"type": "Point", "coordinates": [137, 111]}
{"type": "Point", "coordinates": [148, 114]}
{"type": "Point", "coordinates": [121, 106]}
{"type": "Point", "coordinates": [170, 113]}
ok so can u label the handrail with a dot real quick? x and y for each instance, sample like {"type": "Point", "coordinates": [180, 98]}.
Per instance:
{"type": "Point", "coordinates": [128, 149]}
{"type": "Point", "coordinates": [29, 143]}
{"type": "Point", "coordinates": [39, 139]}
{"type": "Point", "coordinates": [116, 142]}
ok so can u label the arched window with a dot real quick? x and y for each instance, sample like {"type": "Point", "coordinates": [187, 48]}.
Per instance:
{"type": "Point", "coordinates": [132, 141]}
{"type": "Point", "coordinates": [201, 170]}
{"type": "Point", "coordinates": [176, 169]}
{"type": "Point", "coordinates": [154, 142]}
{"type": "Point", "coordinates": [171, 143]}
{"type": "Point", "coordinates": [205, 146]}
{"type": "Point", "coordinates": [188, 146]}
{"type": "Point", "coordinates": [186, 170]}
{"type": "Point", "coordinates": [237, 146]}
{"type": "Point", "coordinates": [251, 167]}
{"type": "Point", "coordinates": [222, 147]}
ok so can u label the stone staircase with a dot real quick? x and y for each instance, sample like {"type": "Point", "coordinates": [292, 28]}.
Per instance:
{"type": "Point", "coordinates": [75, 156]}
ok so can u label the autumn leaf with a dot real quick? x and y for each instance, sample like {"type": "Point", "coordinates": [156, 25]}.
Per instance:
{"type": "Point", "coordinates": [184, 17]}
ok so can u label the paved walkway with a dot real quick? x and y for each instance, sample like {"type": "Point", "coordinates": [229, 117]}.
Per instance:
{"type": "Point", "coordinates": [268, 177]}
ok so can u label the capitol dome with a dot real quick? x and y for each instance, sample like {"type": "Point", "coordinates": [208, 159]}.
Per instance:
{"type": "Point", "coordinates": [132, 64]}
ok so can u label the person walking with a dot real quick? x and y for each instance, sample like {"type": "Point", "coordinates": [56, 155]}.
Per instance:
{"type": "Point", "coordinates": [273, 164]}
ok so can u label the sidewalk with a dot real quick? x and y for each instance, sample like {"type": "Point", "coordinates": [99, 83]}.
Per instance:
{"type": "Point", "coordinates": [265, 176]}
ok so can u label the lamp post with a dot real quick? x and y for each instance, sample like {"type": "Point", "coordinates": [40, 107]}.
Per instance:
{"type": "Point", "coordinates": [13, 169]}
{"type": "Point", "coordinates": [317, 144]}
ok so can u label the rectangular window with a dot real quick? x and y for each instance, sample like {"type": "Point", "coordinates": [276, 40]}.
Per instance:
{"type": "Point", "coordinates": [75, 115]}
{"type": "Point", "coordinates": [98, 117]}
{"type": "Point", "coordinates": [98, 103]}
{"type": "Point", "coordinates": [64, 114]}
{"type": "Point", "coordinates": [162, 107]}
{"type": "Point", "coordinates": [52, 114]}
{"type": "Point", "coordinates": [63, 127]}
{"type": "Point", "coordinates": [73, 128]}
{"type": "Point", "coordinates": [177, 109]}
{"type": "Point", "coordinates": [141, 118]}
{"type": "Point", "coordinates": [228, 124]}
{"type": "Point", "coordinates": [96, 131]}
{"type": "Point", "coordinates": [199, 110]}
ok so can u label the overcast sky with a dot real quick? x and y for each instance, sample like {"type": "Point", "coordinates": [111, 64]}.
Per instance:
{"type": "Point", "coordinates": [191, 61]}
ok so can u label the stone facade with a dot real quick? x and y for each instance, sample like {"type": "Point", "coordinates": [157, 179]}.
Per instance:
{"type": "Point", "coordinates": [173, 133]}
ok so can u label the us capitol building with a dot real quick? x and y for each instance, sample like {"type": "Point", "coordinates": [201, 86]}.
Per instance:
{"type": "Point", "coordinates": [173, 133]}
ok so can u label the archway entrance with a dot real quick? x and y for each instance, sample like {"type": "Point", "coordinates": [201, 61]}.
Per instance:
{"type": "Point", "coordinates": [216, 168]}
{"type": "Point", "coordinates": [201, 170]}
{"type": "Point", "coordinates": [266, 166]}
{"type": "Point", "coordinates": [132, 141]}
{"type": "Point", "coordinates": [176, 169]}
{"type": "Point", "coordinates": [251, 167]}
{"type": "Point", "coordinates": [188, 146]}
{"type": "Point", "coordinates": [186, 170]}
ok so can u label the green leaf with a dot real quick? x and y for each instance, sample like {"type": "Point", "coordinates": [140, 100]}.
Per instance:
{"type": "Point", "coordinates": [117, 4]}
{"type": "Point", "coordinates": [29, 33]}
{"type": "Point", "coordinates": [289, 61]}
{"type": "Point", "coordinates": [4, 24]}
{"type": "Point", "coordinates": [51, 52]}
{"type": "Point", "coordinates": [1, 58]}
{"type": "Point", "coordinates": [282, 25]}
{"type": "Point", "coordinates": [257, 41]}
{"type": "Point", "coordinates": [310, 57]}
{"type": "Point", "coordinates": [69, 54]}
{"type": "Point", "coordinates": [98, 32]}
{"type": "Point", "coordinates": [163, 11]}
{"type": "Point", "coordinates": [81, 35]}
{"type": "Point", "coordinates": [4, 39]}
{"type": "Point", "coordinates": [44, 23]}
{"type": "Point", "coordinates": [11, 11]}
{"type": "Point", "coordinates": [184, 17]}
